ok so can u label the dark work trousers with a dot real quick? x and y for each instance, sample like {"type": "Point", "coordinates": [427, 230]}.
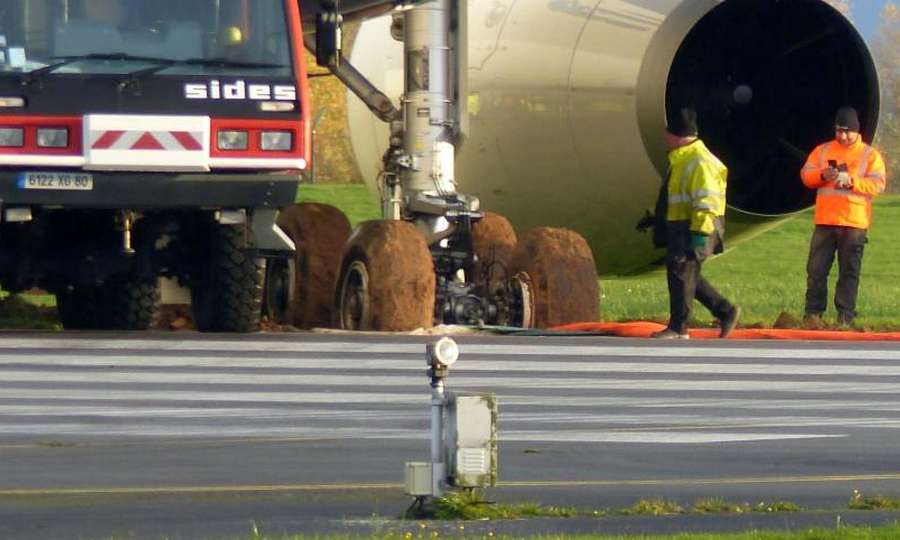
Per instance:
{"type": "Point", "coordinates": [685, 283]}
{"type": "Point", "coordinates": [849, 243]}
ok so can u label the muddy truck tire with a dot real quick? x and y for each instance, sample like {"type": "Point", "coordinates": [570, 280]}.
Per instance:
{"type": "Point", "coordinates": [227, 295]}
{"type": "Point", "coordinates": [129, 303]}
{"type": "Point", "coordinates": [79, 307]}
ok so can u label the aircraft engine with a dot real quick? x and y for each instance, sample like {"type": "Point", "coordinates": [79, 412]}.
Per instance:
{"type": "Point", "coordinates": [567, 103]}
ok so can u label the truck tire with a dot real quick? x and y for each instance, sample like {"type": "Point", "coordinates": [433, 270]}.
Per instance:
{"type": "Point", "coordinates": [387, 280]}
{"type": "Point", "coordinates": [129, 303]}
{"type": "Point", "coordinates": [78, 307]}
{"type": "Point", "coordinates": [227, 294]}
{"type": "Point", "coordinates": [558, 267]}
{"type": "Point", "coordinates": [319, 232]}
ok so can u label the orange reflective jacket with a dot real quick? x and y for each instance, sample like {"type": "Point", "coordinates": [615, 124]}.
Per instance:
{"type": "Point", "coordinates": [845, 207]}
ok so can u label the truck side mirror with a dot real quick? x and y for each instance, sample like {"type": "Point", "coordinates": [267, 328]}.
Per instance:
{"type": "Point", "coordinates": [329, 40]}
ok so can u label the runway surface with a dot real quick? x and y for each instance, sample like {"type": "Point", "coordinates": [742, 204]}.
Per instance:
{"type": "Point", "coordinates": [310, 432]}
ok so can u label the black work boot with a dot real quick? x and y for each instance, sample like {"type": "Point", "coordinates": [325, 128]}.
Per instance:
{"type": "Point", "coordinates": [729, 322]}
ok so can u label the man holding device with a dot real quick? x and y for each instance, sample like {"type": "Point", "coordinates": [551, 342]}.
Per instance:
{"type": "Point", "coordinates": [846, 174]}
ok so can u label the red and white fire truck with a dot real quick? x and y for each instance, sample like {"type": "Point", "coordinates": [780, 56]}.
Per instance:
{"type": "Point", "coordinates": [142, 139]}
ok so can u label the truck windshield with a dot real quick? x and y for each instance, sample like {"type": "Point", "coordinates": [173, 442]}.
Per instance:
{"type": "Point", "coordinates": [189, 37]}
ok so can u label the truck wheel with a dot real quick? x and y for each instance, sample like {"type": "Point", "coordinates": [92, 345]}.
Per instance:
{"type": "Point", "coordinates": [558, 267]}
{"type": "Point", "coordinates": [129, 303]}
{"type": "Point", "coordinates": [319, 232]}
{"type": "Point", "coordinates": [279, 295]}
{"type": "Point", "coordinates": [494, 241]}
{"type": "Point", "coordinates": [227, 295]}
{"type": "Point", "coordinates": [387, 279]}
{"type": "Point", "coordinates": [78, 307]}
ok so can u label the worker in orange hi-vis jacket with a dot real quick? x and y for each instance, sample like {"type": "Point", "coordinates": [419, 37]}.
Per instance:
{"type": "Point", "coordinates": [846, 174]}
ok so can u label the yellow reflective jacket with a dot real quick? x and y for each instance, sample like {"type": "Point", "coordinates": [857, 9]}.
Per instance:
{"type": "Point", "coordinates": [697, 183]}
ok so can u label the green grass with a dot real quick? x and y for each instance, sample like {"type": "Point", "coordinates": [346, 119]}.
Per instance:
{"type": "Point", "coordinates": [471, 505]}
{"type": "Point", "coordinates": [877, 502]}
{"type": "Point", "coordinates": [888, 532]}
{"type": "Point", "coordinates": [352, 199]}
{"type": "Point", "coordinates": [767, 276]}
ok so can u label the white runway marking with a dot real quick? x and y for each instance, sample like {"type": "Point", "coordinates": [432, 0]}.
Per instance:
{"type": "Point", "coordinates": [299, 346]}
{"type": "Point", "coordinates": [70, 387]}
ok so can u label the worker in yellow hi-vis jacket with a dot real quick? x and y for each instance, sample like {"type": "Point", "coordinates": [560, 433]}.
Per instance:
{"type": "Point", "coordinates": [694, 222]}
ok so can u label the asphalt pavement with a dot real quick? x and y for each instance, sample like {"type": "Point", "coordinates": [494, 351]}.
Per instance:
{"type": "Point", "coordinates": [198, 436]}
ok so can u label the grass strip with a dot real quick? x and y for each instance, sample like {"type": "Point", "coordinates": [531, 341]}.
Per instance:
{"type": "Point", "coordinates": [877, 502]}
{"type": "Point", "coordinates": [887, 532]}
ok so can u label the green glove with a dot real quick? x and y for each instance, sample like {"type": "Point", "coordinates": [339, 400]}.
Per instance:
{"type": "Point", "coordinates": [698, 240]}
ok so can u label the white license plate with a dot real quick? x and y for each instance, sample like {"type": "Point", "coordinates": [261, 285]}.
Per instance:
{"type": "Point", "coordinates": [56, 180]}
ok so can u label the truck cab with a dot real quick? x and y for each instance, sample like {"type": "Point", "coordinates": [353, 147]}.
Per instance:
{"type": "Point", "coordinates": [142, 139]}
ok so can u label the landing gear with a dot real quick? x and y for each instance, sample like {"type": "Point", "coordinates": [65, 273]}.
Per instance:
{"type": "Point", "coordinates": [493, 241]}
{"type": "Point", "coordinates": [440, 258]}
{"type": "Point", "coordinates": [227, 295]}
{"type": "Point", "coordinates": [387, 279]}
{"type": "Point", "coordinates": [558, 268]}
{"type": "Point", "coordinates": [319, 232]}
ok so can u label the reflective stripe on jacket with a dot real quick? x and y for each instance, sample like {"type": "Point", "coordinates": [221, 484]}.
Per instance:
{"type": "Point", "coordinates": [845, 207]}
{"type": "Point", "coordinates": [697, 183]}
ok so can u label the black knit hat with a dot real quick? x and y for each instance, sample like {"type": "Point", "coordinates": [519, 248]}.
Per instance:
{"type": "Point", "coordinates": [682, 122]}
{"type": "Point", "coordinates": [847, 119]}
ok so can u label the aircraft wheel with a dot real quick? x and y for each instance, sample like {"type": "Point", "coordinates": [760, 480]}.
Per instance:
{"type": "Point", "coordinates": [494, 241]}
{"type": "Point", "coordinates": [387, 279]}
{"type": "Point", "coordinates": [558, 268]}
{"type": "Point", "coordinates": [319, 232]}
{"type": "Point", "coordinates": [227, 295]}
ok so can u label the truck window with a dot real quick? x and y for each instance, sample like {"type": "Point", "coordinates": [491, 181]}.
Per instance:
{"type": "Point", "coordinates": [37, 33]}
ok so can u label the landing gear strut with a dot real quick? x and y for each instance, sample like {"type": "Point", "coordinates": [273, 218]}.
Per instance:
{"type": "Point", "coordinates": [476, 270]}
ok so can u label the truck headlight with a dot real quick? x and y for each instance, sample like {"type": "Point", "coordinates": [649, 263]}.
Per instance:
{"type": "Point", "coordinates": [232, 140]}
{"type": "Point", "coordinates": [277, 141]}
{"type": "Point", "coordinates": [52, 137]}
{"type": "Point", "coordinates": [11, 136]}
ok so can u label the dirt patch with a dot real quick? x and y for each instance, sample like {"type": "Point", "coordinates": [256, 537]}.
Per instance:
{"type": "Point", "coordinates": [175, 317]}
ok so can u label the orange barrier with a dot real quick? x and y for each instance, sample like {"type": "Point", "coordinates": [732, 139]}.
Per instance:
{"type": "Point", "coordinates": [643, 329]}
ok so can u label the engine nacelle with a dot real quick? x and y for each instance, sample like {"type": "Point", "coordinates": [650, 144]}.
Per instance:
{"type": "Point", "coordinates": [567, 104]}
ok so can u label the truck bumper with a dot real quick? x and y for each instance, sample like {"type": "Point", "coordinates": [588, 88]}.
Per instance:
{"type": "Point", "coordinates": [137, 191]}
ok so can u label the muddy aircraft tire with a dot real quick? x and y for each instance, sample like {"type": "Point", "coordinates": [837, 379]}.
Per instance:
{"type": "Point", "coordinates": [387, 279]}
{"type": "Point", "coordinates": [227, 295]}
{"type": "Point", "coordinates": [79, 307]}
{"type": "Point", "coordinates": [558, 267]}
{"type": "Point", "coordinates": [320, 232]}
{"type": "Point", "coordinates": [494, 241]}
{"type": "Point", "coordinates": [129, 303]}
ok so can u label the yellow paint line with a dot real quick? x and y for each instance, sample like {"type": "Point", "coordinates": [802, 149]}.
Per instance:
{"type": "Point", "coordinates": [277, 488]}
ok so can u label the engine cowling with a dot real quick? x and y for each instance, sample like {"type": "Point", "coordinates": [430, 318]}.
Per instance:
{"type": "Point", "coordinates": [567, 105]}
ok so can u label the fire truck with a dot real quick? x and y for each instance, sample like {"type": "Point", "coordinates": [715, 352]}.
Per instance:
{"type": "Point", "coordinates": [147, 139]}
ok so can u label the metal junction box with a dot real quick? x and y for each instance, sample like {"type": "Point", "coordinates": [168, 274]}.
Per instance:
{"type": "Point", "coordinates": [470, 439]}
{"type": "Point", "coordinates": [417, 479]}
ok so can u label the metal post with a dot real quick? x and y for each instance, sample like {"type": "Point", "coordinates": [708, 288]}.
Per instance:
{"type": "Point", "coordinates": [437, 436]}
{"type": "Point", "coordinates": [313, 162]}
